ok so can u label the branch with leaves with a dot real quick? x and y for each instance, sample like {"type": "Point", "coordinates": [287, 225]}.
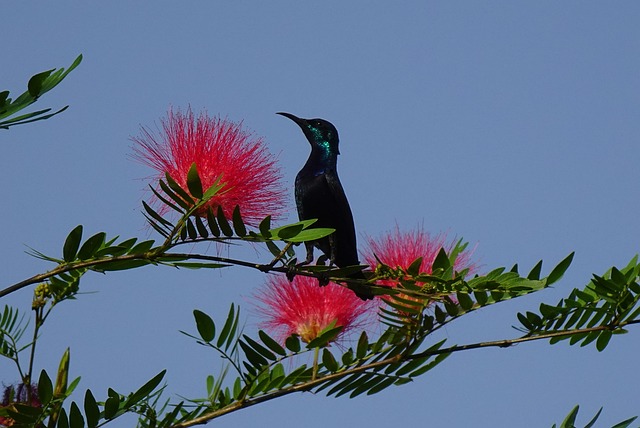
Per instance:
{"type": "Point", "coordinates": [38, 85]}
{"type": "Point", "coordinates": [414, 297]}
{"type": "Point", "coordinates": [416, 305]}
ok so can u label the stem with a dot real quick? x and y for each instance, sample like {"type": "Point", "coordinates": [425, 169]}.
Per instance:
{"type": "Point", "coordinates": [280, 255]}
{"type": "Point", "coordinates": [306, 386]}
{"type": "Point", "coordinates": [510, 342]}
{"type": "Point", "coordinates": [152, 256]}
{"type": "Point", "coordinates": [32, 354]}
{"type": "Point", "coordinates": [314, 373]}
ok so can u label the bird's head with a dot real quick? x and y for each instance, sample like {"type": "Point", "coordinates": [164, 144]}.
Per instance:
{"type": "Point", "coordinates": [320, 133]}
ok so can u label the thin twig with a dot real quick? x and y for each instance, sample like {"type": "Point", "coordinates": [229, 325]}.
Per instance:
{"type": "Point", "coordinates": [510, 342]}
{"type": "Point", "coordinates": [306, 386]}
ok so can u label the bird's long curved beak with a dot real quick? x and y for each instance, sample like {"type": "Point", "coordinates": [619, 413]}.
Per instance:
{"type": "Point", "coordinates": [295, 118]}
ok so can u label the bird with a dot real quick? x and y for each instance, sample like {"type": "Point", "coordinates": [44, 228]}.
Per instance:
{"type": "Point", "coordinates": [320, 195]}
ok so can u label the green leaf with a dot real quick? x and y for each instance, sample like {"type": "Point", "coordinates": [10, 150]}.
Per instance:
{"type": "Point", "coordinates": [165, 200]}
{"type": "Point", "coordinates": [414, 267]}
{"type": "Point", "coordinates": [144, 390]}
{"type": "Point", "coordinates": [570, 420]}
{"type": "Point", "coordinates": [121, 265]}
{"type": "Point", "coordinates": [326, 335]}
{"type": "Point", "coordinates": [441, 261]}
{"type": "Point", "coordinates": [440, 315]}
{"type": "Point", "coordinates": [238, 224]}
{"type": "Point", "coordinates": [206, 326]}
{"type": "Point", "coordinates": [273, 248]}
{"type": "Point", "coordinates": [71, 244]}
{"type": "Point", "coordinates": [603, 340]}
{"type": "Point", "coordinates": [45, 388]}
{"type": "Point", "coordinates": [193, 182]}
{"type": "Point", "coordinates": [535, 272]}
{"type": "Point", "coordinates": [142, 247]}
{"type": "Point", "coordinates": [91, 410]}
{"type": "Point", "coordinates": [223, 223]}
{"type": "Point", "coordinates": [465, 301]}
{"type": "Point", "coordinates": [253, 356]}
{"type": "Point", "coordinates": [91, 245]}
{"type": "Point", "coordinates": [363, 346]}
{"type": "Point", "coordinates": [213, 189]}
{"type": "Point", "coordinates": [35, 83]}
{"type": "Point", "coordinates": [62, 377]}
{"type": "Point", "coordinates": [625, 423]}
{"type": "Point", "coordinates": [191, 230]}
{"type": "Point", "coordinates": [293, 343]}
{"type": "Point", "coordinates": [618, 277]}
{"type": "Point", "coordinates": [163, 232]}
{"type": "Point", "coordinates": [295, 375]}
{"type": "Point", "coordinates": [202, 229]}
{"type": "Point", "coordinates": [592, 422]}
{"type": "Point", "coordinates": [157, 217]}
{"type": "Point", "coordinates": [264, 227]}
{"type": "Point", "coordinates": [329, 361]}
{"type": "Point", "coordinates": [348, 358]}
{"type": "Point", "coordinates": [259, 348]}
{"type": "Point", "coordinates": [422, 370]}
{"type": "Point", "coordinates": [213, 224]}
{"type": "Point", "coordinates": [382, 385]}
{"type": "Point", "coordinates": [367, 385]}
{"type": "Point", "coordinates": [412, 366]}
{"type": "Point", "coordinates": [174, 186]}
{"type": "Point", "coordinates": [559, 270]}
{"type": "Point", "coordinates": [310, 234]}
{"type": "Point", "coordinates": [355, 383]}
{"type": "Point", "coordinates": [288, 232]}
{"type": "Point", "coordinates": [228, 330]}
{"type": "Point", "coordinates": [63, 420]}
{"type": "Point", "coordinates": [111, 405]}
{"type": "Point", "coordinates": [271, 343]}
{"type": "Point", "coordinates": [340, 388]}
{"type": "Point", "coordinates": [75, 417]}
{"type": "Point", "coordinates": [481, 297]}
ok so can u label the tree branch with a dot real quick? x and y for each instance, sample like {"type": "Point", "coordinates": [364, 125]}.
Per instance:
{"type": "Point", "coordinates": [510, 342]}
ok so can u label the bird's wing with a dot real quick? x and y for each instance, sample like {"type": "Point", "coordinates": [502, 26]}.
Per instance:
{"type": "Point", "coordinates": [348, 253]}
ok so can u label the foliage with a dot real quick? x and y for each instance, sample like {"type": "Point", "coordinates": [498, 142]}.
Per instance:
{"type": "Point", "coordinates": [570, 420]}
{"type": "Point", "coordinates": [38, 85]}
{"type": "Point", "coordinates": [259, 368]}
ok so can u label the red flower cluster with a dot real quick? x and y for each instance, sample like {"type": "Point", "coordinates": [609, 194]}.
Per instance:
{"type": "Point", "coordinates": [19, 394]}
{"type": "Point", "coordinates": [219, 148]}
{"type": "Point", "coordinates": [304, 308]}
{"type": "Point", "coordinates": [400, 249]}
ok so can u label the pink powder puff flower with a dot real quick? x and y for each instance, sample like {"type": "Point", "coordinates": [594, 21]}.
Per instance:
{"type": "Point", "coordinates": [302, 307]}
{"type": "Point", "coordinates": [399, 249]}
{"type": "Point", "coordinates": [219, 148]}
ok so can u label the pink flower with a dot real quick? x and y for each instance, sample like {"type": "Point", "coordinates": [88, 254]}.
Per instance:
{"type": "Point", "coordinates": [219, 148]}
{"type": "Point", "coordinates": [398, 249]}
{"type": "Point", "coordinates": [304, 308]}
{"type": "Point", "coordinates": [19, 394]}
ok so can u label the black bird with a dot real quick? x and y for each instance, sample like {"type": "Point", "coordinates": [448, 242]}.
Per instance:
{"type": "Point", "coordinates": [320, 195]}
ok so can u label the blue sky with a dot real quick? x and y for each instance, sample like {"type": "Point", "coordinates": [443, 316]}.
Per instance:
{"type": "Point", "coordinates": [514, 125]}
